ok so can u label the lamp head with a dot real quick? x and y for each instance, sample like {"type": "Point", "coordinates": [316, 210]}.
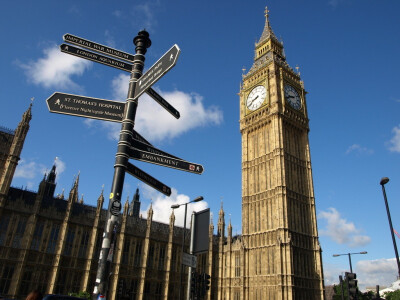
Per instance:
{"type": "Point", "coordinates": [175, 206]}
{"type": "Point", "coordinates": [335, 255]}
{"type": "Point", "coordinates": [363, 252]}
{"type": "Point", "coordinates": [197, 199]}
{"type": "Point", "coordinates": [384, 180]}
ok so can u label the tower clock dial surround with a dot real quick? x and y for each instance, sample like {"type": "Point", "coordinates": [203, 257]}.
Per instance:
{"type": "Point", "coordinates": [256, 97]}
{"type": "Point", "coordinates": [292, 97]}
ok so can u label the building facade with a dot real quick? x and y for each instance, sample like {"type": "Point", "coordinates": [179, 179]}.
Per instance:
{"type": "Point", "coordinates": [282, 254]}
{"type": "Point", "coordinates": [52, 242]}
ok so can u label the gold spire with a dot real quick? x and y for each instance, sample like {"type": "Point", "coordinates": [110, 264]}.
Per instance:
{"type": "Point", "coordinates": [267, 32]}
{"type": "Point", "coordinates": [267, 17]}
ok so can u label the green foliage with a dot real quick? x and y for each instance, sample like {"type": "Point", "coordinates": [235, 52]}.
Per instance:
{"type": "Point", "coordinates": [338, 291]}
{"type": "Point", "coordinates": [84, 295]}
{"type": "Point", "coordinates": [366, 296]}
{"type": "Point", "coordinates": [360, 296]}
{"type": "Point", "coordinates": [393, 295]}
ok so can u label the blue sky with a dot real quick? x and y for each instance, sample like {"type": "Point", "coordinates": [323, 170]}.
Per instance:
{"type": "Point", "coordinates": [347, 53]}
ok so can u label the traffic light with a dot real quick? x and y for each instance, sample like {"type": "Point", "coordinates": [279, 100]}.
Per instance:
{"type": "Point", "coordinates": [207, 279]}
{"type": "Point", "coordinates": [193, 283]}
{"type": "Point", "coordinates": [352, 284]}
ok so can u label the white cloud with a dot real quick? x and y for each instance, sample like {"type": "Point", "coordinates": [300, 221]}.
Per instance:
{"type": "Point", "coordinates": [112, 129]}
{"type": "Point", "coordinates": [117, 13]}
{"type": "Point", "coordinates": [60, 166]}
{"type": "Point", "coordinates": [331, 274]}
{"type": "Point", "coordinates": [110, 41]}
{"type": "Point", "coordinates": [395, 141]}
{"type": "Point", "coordinates": [55, 69]}
{"type": "Point", "coordinates": [162, 206]}
{"type": "Point", "coordinates": [32, 169]}
{"type": "Point", "coordinates": [29, 170]}
{"type": "Point", "coordinates": [340, 230]}
{"type": "Point", "coordinates": [143, 14]}
{"type": "Point", "coordinates": [359, 149]}
{"type": "Point", "coordinates": [120, 86]}
{"type": "Point", "coordinates": [369, 273]}
{"type": "Point", "coordinates": [156, 124]}
{"type": "Point", "coordinates": [373, 272]}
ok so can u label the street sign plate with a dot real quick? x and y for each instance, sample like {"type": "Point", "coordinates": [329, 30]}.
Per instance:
{"type": "Point", "coordinates": [189, 260]}
{"type": "Point", "coordinates": [162, 66]}
{"type": "Point", "coordinates": [150, 180]}
{"type": "Point", "coordinates": [86, 107]}
{"type": "Point", "coordinates": [138, 137]}
{"type": "Point", "coordinates": [148, 148]}
{"type": "Point", "coordinates": [96, 57]}
{"type": "Point", "coordinates": [69, 38]}
{"type": "Point", "coordinates": [165, 161]}
{"type": "Point", "coordinates": [160, 100]}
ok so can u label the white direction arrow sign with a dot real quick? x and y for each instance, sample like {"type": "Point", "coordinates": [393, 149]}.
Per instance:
{"type": "Point", "coordinates": [162, 66]}
{"type": "Point", "coordinates": [189, 260]}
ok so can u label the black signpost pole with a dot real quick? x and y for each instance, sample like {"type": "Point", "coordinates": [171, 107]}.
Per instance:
{"type": "Point", "coordinates": [142, 42]}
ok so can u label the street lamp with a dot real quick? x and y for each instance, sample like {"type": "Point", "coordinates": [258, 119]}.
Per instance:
{"type": "Point", "coordinates": [198, 199]}
{"type": "Point", "coordinates": [349, 254]}
{"type": "Point", "coordinates": [385, 180]}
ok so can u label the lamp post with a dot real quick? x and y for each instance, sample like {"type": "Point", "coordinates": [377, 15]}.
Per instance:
{"type": "Point", "coordinates": [385, 180]}
{"type": "Point", "coordinates": [198, 199]}
{"type": "Point", "coordinates": [349, 255]}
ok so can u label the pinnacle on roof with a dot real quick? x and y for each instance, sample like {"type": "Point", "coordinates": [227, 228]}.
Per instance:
{"type": "Point", "coordinates": [136, 196]}
{"type": "Point", "coordinates": [221, 210]}
{"type": "Point", "coordinates": [51, 177]}
{"type": "Point", "coordinates": [27, 116]}
{"type": "Point", "coordinates": [267, 32]}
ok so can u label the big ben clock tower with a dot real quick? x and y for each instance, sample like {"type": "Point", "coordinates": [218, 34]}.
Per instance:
{"type": "Point", "coordinates": [282, 256]}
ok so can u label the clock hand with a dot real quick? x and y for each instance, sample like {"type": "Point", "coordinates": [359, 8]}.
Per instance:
{"type": "Point", "coordinates": [253, 100]}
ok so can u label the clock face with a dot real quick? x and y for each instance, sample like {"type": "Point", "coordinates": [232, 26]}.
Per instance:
{"type": "Point", "coordinates": [292, 96]}
{"type": "Point", "coordinates": [256, 97]}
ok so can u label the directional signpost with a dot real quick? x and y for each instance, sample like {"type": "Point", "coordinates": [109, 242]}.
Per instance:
{"type": "Point", "coordinates": [189, 260]}
{"type": "Point", "coordinates": [139, 138]}
{"type": "Point", "coordinates": [143, 176]}
{"type": "Point", "coordinates": [149, 148]}
{"type": "Point", "coordinates": [131, 144]}
{"type": "Point", "coordinates": [72, 39]}
{"type": "Point", "coordinates": [165, 161]}
{"type": "Point", "coordinates": [160, 100]}
{"type": "Point", "coordinates": [86, 107]}
{"type": "Point", "coordinates": [162, 66]}
{"type": "Point", "coordinates": [96, 57]}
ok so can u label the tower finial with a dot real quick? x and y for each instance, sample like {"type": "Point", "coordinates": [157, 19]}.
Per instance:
{"type": "Point", "coordinates": [267, 17]}
{"type": "Point", "coordinates": [267, 32]}
{"type": "Point", "coordinates": [298, 70]}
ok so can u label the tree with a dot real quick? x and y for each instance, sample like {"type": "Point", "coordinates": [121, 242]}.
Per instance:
{"type": "Point", "coordinates": [84, 295]}
{"type": "Point", "coordinates": [338, 291]}
{"type": "Point", "coordinates": [360, 296]}
{"type": "Point", "coordinates": [392, 295]}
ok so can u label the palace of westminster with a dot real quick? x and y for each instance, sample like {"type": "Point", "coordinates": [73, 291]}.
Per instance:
{"type": "Point", "coordinates": [52, 242]}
